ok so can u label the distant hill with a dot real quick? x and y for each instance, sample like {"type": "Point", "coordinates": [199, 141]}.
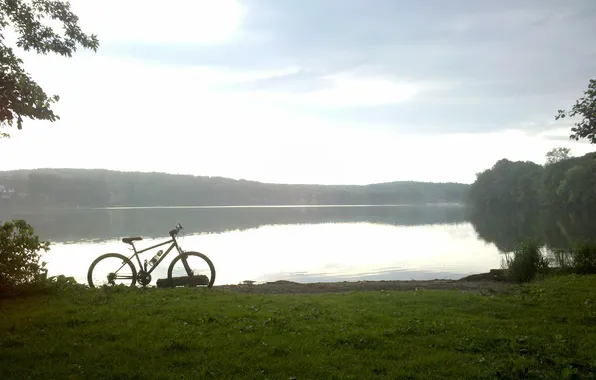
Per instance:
{"type": "Point", "coordinates": [54, 188]}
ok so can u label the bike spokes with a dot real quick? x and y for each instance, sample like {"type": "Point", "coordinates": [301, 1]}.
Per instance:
{"type": "Point", "coordinates": [112, 271]}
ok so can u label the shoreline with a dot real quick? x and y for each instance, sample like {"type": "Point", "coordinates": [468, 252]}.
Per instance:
{"type": "Point", "coordinates": [482, 283]}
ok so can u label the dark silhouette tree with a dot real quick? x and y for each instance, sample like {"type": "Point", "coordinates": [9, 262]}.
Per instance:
{"type": "Point", "coordinates": [585, 108]}
{"type": "Point", "coordinates": [20, 96]}
{"type": "Point", "coordinates": [557, 155]}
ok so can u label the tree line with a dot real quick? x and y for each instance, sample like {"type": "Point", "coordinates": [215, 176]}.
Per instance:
{"type": "Point", "coordinates": [101, 188]}
{"type": "Point", "coordinates": [562, 183]}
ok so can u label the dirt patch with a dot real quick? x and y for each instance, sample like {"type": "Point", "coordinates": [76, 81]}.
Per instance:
{"type": "Point", "coordinates": [288, 287]}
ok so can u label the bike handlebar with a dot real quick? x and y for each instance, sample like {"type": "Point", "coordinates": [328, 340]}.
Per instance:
{"type": "Point", "coordinates": [176, 230]}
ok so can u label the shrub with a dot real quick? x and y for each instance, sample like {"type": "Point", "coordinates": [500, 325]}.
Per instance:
{"type": "Point", "coordinates": [19, 256]}
{"type": "Point", "coordinates": [562, 262]}
{"type": "Point", "coordinates": [584, 258]}
{"type": "Point", "coordinates": [525, 263]}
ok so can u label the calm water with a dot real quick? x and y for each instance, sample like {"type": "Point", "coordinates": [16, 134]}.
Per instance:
{"type": "Point", "coordinates": [302, 244]}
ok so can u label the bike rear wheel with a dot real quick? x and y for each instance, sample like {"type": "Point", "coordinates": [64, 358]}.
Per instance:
{"type": "Point", "coordinates": [191, 264]}
{"type": "Point", "coordinates": [111, 269]}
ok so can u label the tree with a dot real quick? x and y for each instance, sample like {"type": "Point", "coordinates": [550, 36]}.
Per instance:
{"type": "Point", "coordinates": [506, 184]}
{"type": "Point", "coordinates": [19, 256]}
{"type": "Point", "coordinates": [20, 96]}
{"type": "Point", "coordinates": [557, 154]}
{"type": "Point", "coordinates": [585, 108]}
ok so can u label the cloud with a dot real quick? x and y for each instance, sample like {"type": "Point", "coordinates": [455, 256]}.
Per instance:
{"type": "Point", "coordinates": [482, 65]}
{"type": "Point", "coordinates": [179, 21]}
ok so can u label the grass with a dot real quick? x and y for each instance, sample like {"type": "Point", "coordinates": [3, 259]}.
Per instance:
{"type": "Point", "coordinates": [545, 329]}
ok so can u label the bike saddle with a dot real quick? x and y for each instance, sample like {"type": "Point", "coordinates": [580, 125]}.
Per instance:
{"type": "Point", "coordinates": [129, 240]}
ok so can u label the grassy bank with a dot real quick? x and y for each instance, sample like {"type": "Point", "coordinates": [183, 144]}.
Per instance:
{"type": "Point", "coordinates": [542, 330]}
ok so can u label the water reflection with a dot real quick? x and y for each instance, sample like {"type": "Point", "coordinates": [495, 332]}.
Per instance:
{"type": "Point", "coordinates": [104, 224]}
{"type": "Point", "coordinates": [308, 244]}
{"type": "Point", "coordinates": [507, 228]}
{"type": "Point", "coordinates": [309, 252]}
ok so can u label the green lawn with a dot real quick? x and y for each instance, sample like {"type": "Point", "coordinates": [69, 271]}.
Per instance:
{"type": "Point", "coordinates": [543, 330]}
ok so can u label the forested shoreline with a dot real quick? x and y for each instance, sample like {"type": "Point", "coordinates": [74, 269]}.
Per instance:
{"type": "Point", "coordinates": [553, 203]}
{"type": "Point", "coordinates": [566, 183]}
{"type": "Point", "coordinates": [56, 188]}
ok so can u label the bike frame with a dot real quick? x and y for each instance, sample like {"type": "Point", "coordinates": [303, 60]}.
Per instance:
{"type": "Point", "coordinates": [136, 253]}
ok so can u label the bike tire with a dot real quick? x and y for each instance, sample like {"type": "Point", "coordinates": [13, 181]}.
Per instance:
{"type": "Point", "coordinates": [108, 255]}
{"type": "Point", "coordinates": [192, 253]}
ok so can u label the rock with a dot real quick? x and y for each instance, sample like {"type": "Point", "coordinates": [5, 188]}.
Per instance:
{"type": "Point", "coordinates": [183, 281]}
{"type": "Point", "coordinates": [492, 275]}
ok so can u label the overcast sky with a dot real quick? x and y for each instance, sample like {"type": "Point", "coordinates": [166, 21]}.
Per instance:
{"type": "Point", "coordinates": [313, 91]}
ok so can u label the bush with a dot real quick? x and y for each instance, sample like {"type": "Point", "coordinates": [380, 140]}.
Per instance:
{"type": "Point", "coordinates": [584, 258]}
{"type": "Point", "coordinates": [527, 261]}
{"type": "Point", "coordinates": [562, 262]}
{"type": "Point", "coordinates": [19, 256]}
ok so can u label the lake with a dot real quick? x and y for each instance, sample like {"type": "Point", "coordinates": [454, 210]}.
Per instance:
{"type": "Point", "coordinates": [295, 243]}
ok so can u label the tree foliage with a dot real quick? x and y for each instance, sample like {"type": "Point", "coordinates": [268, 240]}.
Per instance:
{"type": "Point", "coordinates": [20, 255]}
{"type": "Point", "coordinates": [585, 109]}
{"type": "Point", "coordinates": [557, 154]}
{"type": "Point", "coordinates": [564, 183]}
{"type": "Point", "coordinates": [20, 96]}
{"type": "Point", "coordinates": [507, 183]}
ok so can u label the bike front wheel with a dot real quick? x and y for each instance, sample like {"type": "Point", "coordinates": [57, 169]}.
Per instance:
{"type": "Point", "coordinates": [191, 268]}
{"type": "Point", "coordinates": [111, 269]}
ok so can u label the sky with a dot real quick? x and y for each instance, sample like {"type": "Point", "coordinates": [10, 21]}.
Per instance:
{"type": "Point", "coordinates": [310, 91]}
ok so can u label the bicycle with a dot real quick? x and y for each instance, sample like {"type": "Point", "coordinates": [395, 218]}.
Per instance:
{"type": "Point", "coordinates": [143, 276]}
